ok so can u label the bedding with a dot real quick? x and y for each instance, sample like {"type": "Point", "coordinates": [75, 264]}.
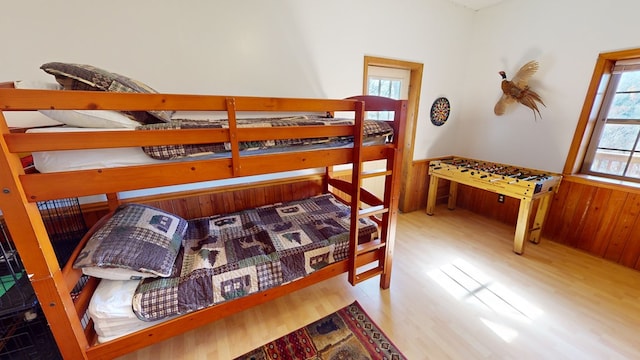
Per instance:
{"type": "Point", "coordinates": [375, 132]}
{"type": "Point", "coordinates": [228, 256]}
{"type": "Point", "coordinates": [138, 241]}
{"type": "Point", "coordinates": [102, 119]}
{"type": "Point", "coordinates": [71, 160]}
{"type": "Point", "coordinates": [28, 119]}
{"type": "Point", "coordinates": [111, 312]}
{"type": "Point", "coordinates": [380, 130]}
{"type": "Point", "coordinates": [91, 78]}
{"type": "Point", "coordinates": [79, 118]}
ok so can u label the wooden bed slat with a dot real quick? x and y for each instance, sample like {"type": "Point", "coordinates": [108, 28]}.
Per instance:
{"type": "Point", "coordinates": [366, 197]}
{"type": "Point", "coordinates": [26, 100]}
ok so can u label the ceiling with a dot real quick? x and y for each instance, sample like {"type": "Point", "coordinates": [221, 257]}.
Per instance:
{"type": "Point", "coordinates": [476, 4]}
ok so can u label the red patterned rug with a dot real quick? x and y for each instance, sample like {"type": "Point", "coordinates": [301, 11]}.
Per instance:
{"type": "Point", "coordinates": [347, 334]}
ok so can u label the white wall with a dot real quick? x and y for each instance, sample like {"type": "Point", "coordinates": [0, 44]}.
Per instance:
{"type": "Point", "coordinates": [565, 36]}
{"type": "Point", "coordinates": [295, 48]}
{"type": "Point", "coordinates": [304, 48]}
{"type": "Point", "coordinates": [291, 48]}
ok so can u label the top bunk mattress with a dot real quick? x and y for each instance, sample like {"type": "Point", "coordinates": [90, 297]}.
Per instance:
{"type": "Point", "coordinates": [374, 133]}
{"type": "Point", "coordinates": [72, 160]}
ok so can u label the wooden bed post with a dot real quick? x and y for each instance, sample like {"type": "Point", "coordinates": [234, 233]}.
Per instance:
{"type": "Point", "coordinates": [392, 192]}
{"type": "Point", "coordinates": [356, 185]}
{"type": "Point", "coordinates": [113, 201]}
{"type": "Point", "coordinates": [328, 174]}
{"type": "Point", "coordinates": [27, 229]}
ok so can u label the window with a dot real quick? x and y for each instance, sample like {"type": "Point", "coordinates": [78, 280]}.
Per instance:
{"type": "Point", "coordinates": [388, 82]}
{"type": "Point", "coordinates": [614, 149]}
{"type": "Point", "coordinates": [383, 87]}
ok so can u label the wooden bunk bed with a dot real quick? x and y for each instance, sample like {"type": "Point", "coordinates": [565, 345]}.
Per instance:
{"type": "Point", "coordinates": [53, 283]}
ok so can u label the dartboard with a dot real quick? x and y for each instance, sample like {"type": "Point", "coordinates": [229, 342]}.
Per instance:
{"type": "Point", "coordinates": [440, 111]}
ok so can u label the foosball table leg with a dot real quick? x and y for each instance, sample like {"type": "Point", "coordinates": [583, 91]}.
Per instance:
{"type": "Point", "coordinates": [522, 225]}
{"type": "Point", "coordinates": [432, 194]}
{"type": "Point", "coordinates": [541, 215]}
{"type": "Point", "coordinates": [453, 195]}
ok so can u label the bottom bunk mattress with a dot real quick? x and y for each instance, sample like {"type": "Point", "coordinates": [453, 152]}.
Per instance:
{"type": "Point", "coordinates": [228, 256]}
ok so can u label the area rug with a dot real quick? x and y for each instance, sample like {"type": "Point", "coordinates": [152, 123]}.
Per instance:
{"type": "Point", "coordinates": [348, 333]}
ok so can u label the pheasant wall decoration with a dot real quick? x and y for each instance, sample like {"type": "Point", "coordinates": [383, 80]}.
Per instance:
{"type": "Point", "coordinates": [517, 90]}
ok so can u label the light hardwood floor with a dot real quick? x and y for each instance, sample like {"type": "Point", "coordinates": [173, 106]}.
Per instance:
{"type": "Point", "coordinates": [553, 302]}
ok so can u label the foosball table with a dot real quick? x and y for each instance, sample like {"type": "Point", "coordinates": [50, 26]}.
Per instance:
{"type": "Point", "coordinates": [527, 185]}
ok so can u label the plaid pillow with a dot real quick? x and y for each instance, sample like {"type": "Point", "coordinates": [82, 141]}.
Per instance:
{"type": "Point", "coordinates": [91, 78]}
{"type": "Point", "coordinates": [138, 241]}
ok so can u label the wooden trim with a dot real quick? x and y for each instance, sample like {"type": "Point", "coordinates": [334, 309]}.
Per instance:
{"type": "Point", "coordinates": [604, 183]}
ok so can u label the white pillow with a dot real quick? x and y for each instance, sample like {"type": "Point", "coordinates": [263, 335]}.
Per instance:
{"type": "Point", "coordinates": [28, 119]}
{"type": "Point", "coordinates": [111, 311]}
{"type": "Point", "coordinates": [114, 273]}
{"type": "Point", "coordinates": [105, 119]}
{"type": "Point", "coordinates": [36, 84]}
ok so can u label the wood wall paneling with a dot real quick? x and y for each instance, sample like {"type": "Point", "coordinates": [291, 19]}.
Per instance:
{"type": "Point", "coordinates": [622, 231]}
{"type": "Point", "coordinates": [486, 203]}
{"type": "Point", "coordinates": [216, 201]}
{"type": "Point", "coordinates": [631, 252]}
{"type": "Point", "coordinates": [593, 220]}
{"type": "Point", "coordinates": [417, 185]}
{"type": "Point", "coordinates": [599, 220]}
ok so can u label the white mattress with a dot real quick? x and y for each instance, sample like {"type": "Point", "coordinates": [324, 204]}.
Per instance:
{"type": "Point", "coordinates": [56, 161]}
{"type": "Point", "coordinates": [69, 160]}
{"type": "Point", "coordinates": [111, 311]}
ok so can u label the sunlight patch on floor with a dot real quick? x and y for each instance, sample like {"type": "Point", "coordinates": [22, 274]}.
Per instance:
{"type": "Point", "coordinates": [466, 283]}
{"type": "Point", "coordinates": [504, 332]}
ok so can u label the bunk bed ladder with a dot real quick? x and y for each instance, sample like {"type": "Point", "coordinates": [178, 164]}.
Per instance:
{"type": "Point", "coordinates": [376, 247]}
{"type": "Point", "coordinates": [360, 252]}
{"type": "Point", "coordinates": [384, 212]}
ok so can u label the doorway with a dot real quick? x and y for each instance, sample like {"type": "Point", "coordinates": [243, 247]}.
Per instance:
{"type": "Point", "coordinates": [402, 79]}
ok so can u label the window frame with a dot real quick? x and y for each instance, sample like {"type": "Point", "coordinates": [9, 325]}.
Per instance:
{"type": "Point", "coordinates": [586, 126]}
{"type": "Point", "coordinates": [603, 119]}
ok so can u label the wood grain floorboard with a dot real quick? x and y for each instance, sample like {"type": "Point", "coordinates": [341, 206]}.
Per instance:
{"type": "Point", "coordinates": [457, 292]}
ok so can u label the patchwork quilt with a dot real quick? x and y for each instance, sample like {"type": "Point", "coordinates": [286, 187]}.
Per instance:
{"type": "Point", "coordinates": [378, 130]}
{"type": "Point", "coordinates": [229, 256]}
